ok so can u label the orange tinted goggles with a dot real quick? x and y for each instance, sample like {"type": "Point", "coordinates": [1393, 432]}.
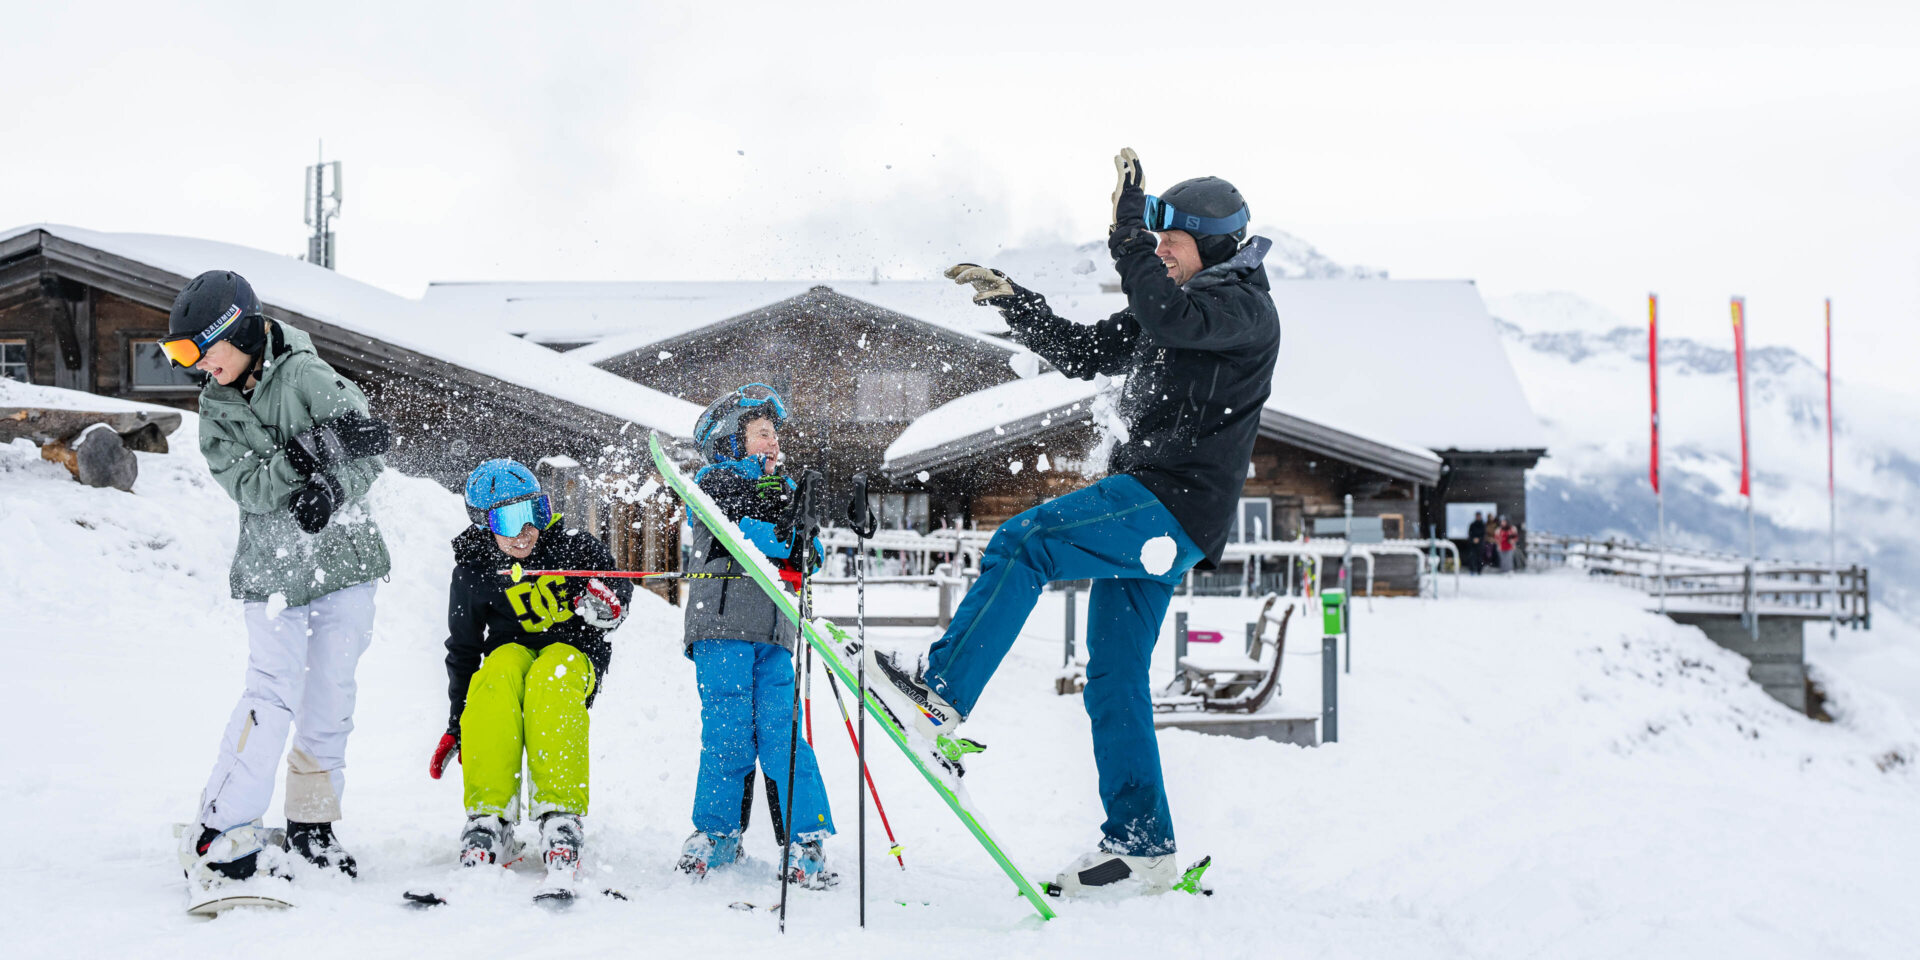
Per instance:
{"type": "Point", "coordinates": [184, 351]}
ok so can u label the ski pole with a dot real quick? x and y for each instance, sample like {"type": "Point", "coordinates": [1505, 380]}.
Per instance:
{"type": "Point", "coordinates": [517, 572]}
{"type": "Point", "coordinates": [860, 752]}
{"type": "Point", "coordinates": [861, 521]}
{"type": "Point", "coordinates": [808, 688]}
{"type": "Point", "coordinates": [807, 511]}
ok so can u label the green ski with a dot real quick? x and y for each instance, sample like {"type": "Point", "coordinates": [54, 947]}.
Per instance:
{"type": "Point", "coordinates": [830, 651]}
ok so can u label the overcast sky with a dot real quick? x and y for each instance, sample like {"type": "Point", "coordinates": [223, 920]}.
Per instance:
{"type": "Point", "coordinates": [1703, 150]}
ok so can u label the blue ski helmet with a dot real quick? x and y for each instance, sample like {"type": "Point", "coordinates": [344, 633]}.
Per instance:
{"type": "Point", "coordinates": [718, 431]}
{"type": "Point", "coordinates": [504, 496]}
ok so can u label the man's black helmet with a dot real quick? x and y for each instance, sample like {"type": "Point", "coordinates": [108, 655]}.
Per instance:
{"type": "Point", "coordinates": [218, 305]}
{"type": "Point", "coordinates": [1208, 208]}
{"type": "Point", "coordinates": [1210, 198]}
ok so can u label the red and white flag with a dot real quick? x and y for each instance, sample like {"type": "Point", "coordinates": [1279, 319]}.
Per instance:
{"type": "Point", "coordinates": [1740, 368]}
{"type": "Point", "coordinates": [1653, 385]}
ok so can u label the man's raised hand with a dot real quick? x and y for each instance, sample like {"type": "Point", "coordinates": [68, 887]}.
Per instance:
{"type": "Point", "coordinates": [1130, 190]}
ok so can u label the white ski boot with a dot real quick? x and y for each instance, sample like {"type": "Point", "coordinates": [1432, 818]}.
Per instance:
{"type": "Point", "coordinates": [807, 867]}
{"type": "Point", "coordinates": [1103, 875]}
{"type": "Point", "coordinates": [561, 837]}
{"type": "Point", "coordinates": [706, 851]}
{"type": "Point", "coordinates": [488, 840]}
{"type": "Point", "coordinates": [927, 719]}
{"type": "Point", "coordinates": [230, 868]}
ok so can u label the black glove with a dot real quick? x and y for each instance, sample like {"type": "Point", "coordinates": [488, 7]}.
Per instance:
{"type": "Point", "coordinates": [803, 515]}
{"type": "Point", "coordinates": [350, 436]}
{"type": "Point", "coordinates": [313, 504]}
{"type": "Point", "coordinates": [991, 288]}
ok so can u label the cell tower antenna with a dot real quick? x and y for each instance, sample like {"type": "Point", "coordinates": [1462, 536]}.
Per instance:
{"type": "Point", "coordinates": [322, 205]}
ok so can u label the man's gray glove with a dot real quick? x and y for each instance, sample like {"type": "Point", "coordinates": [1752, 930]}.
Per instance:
{"type": "Point", "coordinates": [1129, 232]}
{"type": "Point", "coordinates": [1130, 192]}
{"type": "Point", "coordinates": [991, 288]}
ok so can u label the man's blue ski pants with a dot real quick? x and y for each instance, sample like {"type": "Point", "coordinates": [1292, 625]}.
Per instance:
{"type": "Point", "coordinates": [1117, 534]}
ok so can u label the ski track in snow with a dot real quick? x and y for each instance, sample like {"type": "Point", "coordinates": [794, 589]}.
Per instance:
{"type": "Point", "coordinates": [1535, 769]}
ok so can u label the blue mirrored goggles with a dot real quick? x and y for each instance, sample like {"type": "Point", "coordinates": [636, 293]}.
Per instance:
{"type": "Point", "coordinates": [508, 519]}
{"type": "Point", "coordinates": [755, 394]}
{"type": "Point", "coordinates": [1162, 215]}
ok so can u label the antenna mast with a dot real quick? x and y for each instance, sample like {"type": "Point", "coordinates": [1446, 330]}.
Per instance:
{"type": "Point", "coordinates": [322, 205]}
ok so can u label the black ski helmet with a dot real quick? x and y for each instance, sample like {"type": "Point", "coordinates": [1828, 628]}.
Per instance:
{"type": "Point", "coordinates": [1214, 199]}
{"type": "Point", "coordinates": [218, 305]}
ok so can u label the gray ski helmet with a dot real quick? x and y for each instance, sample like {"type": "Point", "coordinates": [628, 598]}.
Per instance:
{"type": "Point", "coordinates": [218, 305]}
{"type": "Point", "coordinates": [1209, 197]}
{"type": "Point", "coordinates": [717, 432]}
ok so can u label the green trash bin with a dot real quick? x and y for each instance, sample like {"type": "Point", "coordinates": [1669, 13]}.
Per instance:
{"type": "Point", "coordinates": [1333, 611]}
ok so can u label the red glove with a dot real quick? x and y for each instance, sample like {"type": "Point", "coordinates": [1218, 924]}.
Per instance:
{"type": "Point", "coordinates": [599, 606]}
{"type": "Point", "coordinates": [449, 747]}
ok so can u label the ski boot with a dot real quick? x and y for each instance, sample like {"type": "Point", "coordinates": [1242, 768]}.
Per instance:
{"type": "Point", "coordinates": [705, 851]}
{"type": "Point", "coordinates": [316, 844]}
{"type": "Point", "coordinates": [488, 839]}
{"type": "Point", "coordinates": [229, 868]}
{"type": "Point", "coordinates": [560, 840]}
{"type": "Point", "coordinates": [807, 867]}
{"type": "Point", "coordinates": [926, 717]}
{"type": "Point", "coordinates": [1103, 874]}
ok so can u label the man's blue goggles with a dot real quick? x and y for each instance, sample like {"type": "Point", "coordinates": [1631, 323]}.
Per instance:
{"type": "Point", "coordinates": [508, 519]}
{"type": "Point", "coordinates": [1161, 215]}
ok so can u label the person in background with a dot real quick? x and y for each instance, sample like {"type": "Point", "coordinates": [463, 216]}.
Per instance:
{"type": "Point", "coordinates": [1504, 542]}
{"type": "Point", "coordinates": [1476, 535]}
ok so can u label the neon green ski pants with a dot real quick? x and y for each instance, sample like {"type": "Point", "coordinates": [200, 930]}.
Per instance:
{"type": "Point", "coordinates": [517, 700]}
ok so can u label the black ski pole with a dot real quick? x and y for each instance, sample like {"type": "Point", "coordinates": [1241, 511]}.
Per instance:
{"type": "Point", "coordinates": [860, 519]}
{"type": "Point", "coordinates": [806, 514]}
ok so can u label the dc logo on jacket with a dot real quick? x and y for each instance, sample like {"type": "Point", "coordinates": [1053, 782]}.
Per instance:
{"type": "Point", "coordinates": [538, 606]}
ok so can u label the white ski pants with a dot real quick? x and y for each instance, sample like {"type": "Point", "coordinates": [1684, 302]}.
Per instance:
{"type": "Point", "coordinates": [300, 666]}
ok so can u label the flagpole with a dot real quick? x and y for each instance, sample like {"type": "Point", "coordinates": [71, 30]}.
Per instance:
{"type": "Point", "coordinates": [1659, 495]}
{"type": "Point", "coordinates": [1746, 472]}
{"type": "Point", "coordinates": [1833, 549]}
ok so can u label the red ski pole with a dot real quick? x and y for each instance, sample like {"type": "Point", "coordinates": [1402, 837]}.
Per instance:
{"type": "Point", "coordinates": [865, 772]}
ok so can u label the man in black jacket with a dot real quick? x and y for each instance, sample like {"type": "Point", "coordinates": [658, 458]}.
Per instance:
{"type": "Point", "coordinates": [526, 653]}
{"type": "Point", "coordinates": [1197, 345]}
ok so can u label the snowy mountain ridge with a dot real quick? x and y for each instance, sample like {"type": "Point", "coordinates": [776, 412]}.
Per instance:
{"type": "Point", "coordinates": [1587, 380]}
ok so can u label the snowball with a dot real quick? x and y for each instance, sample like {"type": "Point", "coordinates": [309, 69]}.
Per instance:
{"type": "Point", "coordinates": [922, 476]}
{"type": "Point", "coordinates": [1042, 464]}
{"type": "Point", "coordinates": [1157, 555]}
{"type": "Point", "coordinates": [559, 669]}
{"type": "Point", "coordinates": [666, 355]}
{"type": "Point", "coordinates": [1014, 466]}
{"type": "Point", "coordinates": [1025, 364]}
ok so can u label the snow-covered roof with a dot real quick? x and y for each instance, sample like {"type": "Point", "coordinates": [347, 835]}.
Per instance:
{"type": "Point", "coordinates": [1419, 361]}
{"type": "Point", "coordinates": [414, 325]}
{"type": "Point", "coordinates": [613, 319]}
{"type": "Point", "coordinates": [594, 313]}
{"type": "Point", "coordinates": [1400, 367]}
{"type": "Point", "coordinates": [989, 413]}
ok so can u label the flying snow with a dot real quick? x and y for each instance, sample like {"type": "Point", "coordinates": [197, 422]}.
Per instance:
{"type": "Point", "coordinates": [1013, 467]}
{"type": "Point", "coordinates": [1157, 555]}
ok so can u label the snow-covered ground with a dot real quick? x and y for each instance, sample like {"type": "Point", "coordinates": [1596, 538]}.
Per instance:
{"type": "Point", "coordinates": [1535, 768]}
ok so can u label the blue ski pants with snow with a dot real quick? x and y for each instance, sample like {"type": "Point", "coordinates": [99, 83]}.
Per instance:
{"type": "Point", "coordinates": [1117, 534]}
{"type": "Point", "coordinates": [746, 714]}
